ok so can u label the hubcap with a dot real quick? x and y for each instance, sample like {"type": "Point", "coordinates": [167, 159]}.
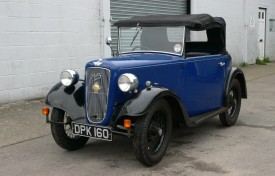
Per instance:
{"type": "Point", "coordinates": [156, 132]}
{"type": "Point", "coordinates": [68, 127]}
{"type": "Point", "coordinates": [232, 103]}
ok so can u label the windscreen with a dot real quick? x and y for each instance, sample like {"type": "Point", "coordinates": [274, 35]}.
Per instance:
{"type": "Point", "coordinates": [161, 39]}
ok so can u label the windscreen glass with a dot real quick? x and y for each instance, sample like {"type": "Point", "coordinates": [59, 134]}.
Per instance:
{"type": "Point", "coordinates": [162, 39]}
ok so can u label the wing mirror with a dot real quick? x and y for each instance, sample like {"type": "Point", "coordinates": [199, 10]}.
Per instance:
{"type": "Point", "coordinates": [108, 40]}
{"type": "Point", "coordinates": [109, 43]}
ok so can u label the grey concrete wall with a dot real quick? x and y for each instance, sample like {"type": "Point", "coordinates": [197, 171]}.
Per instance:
{"type": "Point", "coordinates": [242, 39]}
{"type": "Point", "coordinates": [40, 38]}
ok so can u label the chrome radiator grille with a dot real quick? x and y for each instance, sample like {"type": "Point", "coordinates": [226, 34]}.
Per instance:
{"type": "Point", "coordinates": [97, 90]}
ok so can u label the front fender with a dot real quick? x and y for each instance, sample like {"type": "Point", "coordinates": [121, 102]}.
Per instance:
{"type": "Point", "coordinates": [69, 99]}
{"type": "Point", "coordinates": [138, 105]}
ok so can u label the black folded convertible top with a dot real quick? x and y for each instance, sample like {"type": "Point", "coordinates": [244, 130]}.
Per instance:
{"type": "Point", "coordinates": [195, 22]}
{"type": "Point", "coordinates": [215, 26]}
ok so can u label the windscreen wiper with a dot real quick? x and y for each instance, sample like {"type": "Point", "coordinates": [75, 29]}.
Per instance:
{"type": "Point", "coordinates": [137, 32]}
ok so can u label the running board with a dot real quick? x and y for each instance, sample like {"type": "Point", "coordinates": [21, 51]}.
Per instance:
{"type": "Point", "coordinates": [199, 119]}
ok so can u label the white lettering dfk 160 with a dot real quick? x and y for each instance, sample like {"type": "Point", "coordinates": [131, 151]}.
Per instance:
{"type": "Point", "coordinates": [86, 131]}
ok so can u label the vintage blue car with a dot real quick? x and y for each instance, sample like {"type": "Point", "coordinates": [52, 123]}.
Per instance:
{"type": "Point", "coordinates": [167, 70]}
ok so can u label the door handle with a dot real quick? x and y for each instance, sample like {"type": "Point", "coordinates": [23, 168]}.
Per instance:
{"type": "Point", "coordinates": [261, 40]}
{"type": "Point", "coordinates": [221, 64]}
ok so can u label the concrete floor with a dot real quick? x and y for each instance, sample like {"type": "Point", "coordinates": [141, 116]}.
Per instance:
{"type": "Point", "coordinates": [27, 148]}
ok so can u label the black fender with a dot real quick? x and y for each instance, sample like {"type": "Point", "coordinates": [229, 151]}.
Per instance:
{"type": "Point", "coordinates": [69, 99]}
{"type": "Point", "coordinates": [236, 73]}
{"type": "Point", "coordinates": [138, 105]}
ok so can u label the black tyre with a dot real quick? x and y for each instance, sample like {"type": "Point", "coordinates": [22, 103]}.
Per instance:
{"type": "Point", "coordinates": [152, 134]}
{"type": "Point", "coordinates": [230, 117]}
{"type": "Point", "coordinates": [62, 133]}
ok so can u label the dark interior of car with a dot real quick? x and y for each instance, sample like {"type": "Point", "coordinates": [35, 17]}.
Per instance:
{"type": "Point", "coordinates": [213, 45]}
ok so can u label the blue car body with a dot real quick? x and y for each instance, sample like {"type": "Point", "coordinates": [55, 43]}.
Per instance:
{"type": "Point", "coordinates": [198, 82]}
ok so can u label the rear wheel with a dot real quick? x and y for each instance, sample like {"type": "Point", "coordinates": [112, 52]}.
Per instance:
{"type": "Point", "coordinates": [62, 133]}
{"type": "Point", "coordinates": [230, 117]}
{"type": "Point", "coordinates": [152, 134]}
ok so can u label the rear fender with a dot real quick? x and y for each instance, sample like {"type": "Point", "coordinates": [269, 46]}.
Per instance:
{"type": "Point", "coordinates": [236, 73]}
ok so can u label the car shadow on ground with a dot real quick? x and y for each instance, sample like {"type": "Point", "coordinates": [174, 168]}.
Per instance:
{"type": "Point", "coordinates": [119, 152]}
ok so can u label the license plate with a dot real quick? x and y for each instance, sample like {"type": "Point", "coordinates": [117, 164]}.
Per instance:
{"type": "Point", "coordinates": [98, 132]}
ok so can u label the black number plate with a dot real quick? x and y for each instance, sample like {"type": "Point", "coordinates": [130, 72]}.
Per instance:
{"type": "Point", "coordinates": [91, 131]}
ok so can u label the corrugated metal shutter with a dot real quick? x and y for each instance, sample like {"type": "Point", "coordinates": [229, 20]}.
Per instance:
{"type": "Point", "coordinates": [124, 9]}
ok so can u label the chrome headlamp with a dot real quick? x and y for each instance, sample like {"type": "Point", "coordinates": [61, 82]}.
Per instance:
{"type": "Point", "coordinates": [69, 77]}
{"type": "Point", "coordinates": [127, 82]}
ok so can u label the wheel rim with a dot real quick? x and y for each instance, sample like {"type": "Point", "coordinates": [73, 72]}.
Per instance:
{"type": "Point", "coordinates": [68, 127]}
{"type": "Point", "coordinates": [156, 132]}
{"type": "Point", "coordinates": [233, 101]}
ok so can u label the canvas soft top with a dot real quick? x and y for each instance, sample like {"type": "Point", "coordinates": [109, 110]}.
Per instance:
{"type": "Point", "coordinates": [195, 22]}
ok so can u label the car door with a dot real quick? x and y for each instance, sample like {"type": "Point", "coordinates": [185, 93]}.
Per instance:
{"type": "Point", "coordinates": [203, 85]}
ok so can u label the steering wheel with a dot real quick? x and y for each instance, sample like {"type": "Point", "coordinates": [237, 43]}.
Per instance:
{"type": "Point", "coordinates": [140, 46]}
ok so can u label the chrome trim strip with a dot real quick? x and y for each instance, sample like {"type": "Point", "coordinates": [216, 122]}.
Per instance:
{"type": "Point", "coordinates": [86, 94]}
{"type": "Point", "coordinates": [118, 45]}
{"type": "Point", "coordinates": [204, 56]}
{"type": "Point", "coordinates": [184, 42]}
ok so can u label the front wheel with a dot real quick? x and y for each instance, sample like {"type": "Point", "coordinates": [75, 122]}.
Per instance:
{"type": "Point", "coordinates": [62, 133]}
{"type": "Point", "coordinates": [230, 117]}
{"type": "Point", "coordinates": [152, 134]}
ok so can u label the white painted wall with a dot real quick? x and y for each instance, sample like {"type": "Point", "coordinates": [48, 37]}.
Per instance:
{"type": "Point", "coordinates": [40, 38]}
{"type": "Point", "coordinates": [242, 40]}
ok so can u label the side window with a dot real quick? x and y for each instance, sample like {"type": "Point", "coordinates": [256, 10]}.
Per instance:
{"type": "Point", "coordinates": [202, 43]}
{"type": "Point", "coordinates": [197, 36]}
